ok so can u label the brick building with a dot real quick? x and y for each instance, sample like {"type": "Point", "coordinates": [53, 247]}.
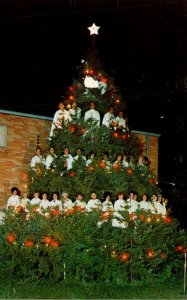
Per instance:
{"type": "Point", "coordinates": [20, 133]}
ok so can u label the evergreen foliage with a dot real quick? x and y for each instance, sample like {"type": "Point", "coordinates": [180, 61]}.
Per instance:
{"type": "Point", "coordinates": [89, 137]}
{"type": "Point", "coordinates": [82, 246]}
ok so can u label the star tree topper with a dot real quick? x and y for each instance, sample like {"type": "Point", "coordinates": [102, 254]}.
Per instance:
{"type": "Point", "coordinates": [93, 29]}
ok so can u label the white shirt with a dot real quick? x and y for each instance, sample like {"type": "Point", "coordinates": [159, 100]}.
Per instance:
{"type": "Point", "coordinates": [93, 204]}
{"type": "Point", "coordinates": [69, 159]}
{"type": "Point", "coordinates": [13, 201]}
{"type": "Point", "coordinates": [75, 113]}
{"type": "Point", "coordinates": [45, 204]}
{"type": "Point", "coordinates": [35, 201]}
{"type": "Point", "coordinates": [58, 117]}
{"type": "Point", "coordinates": [82, 204]}
{"type": "Point", "coordinates": [24, 202]}
{"type": "Point", "coordinates": [92, 114]}
{"type": "Point", "coordinates": [133, 206]}
{"type": "Point", "coordinates": [118, 221]}
{"type": "Point", "coordinates": [125, 163]}
{"type": "Point", "coordinates": [121, 122]}
{"type": "Point", "coordinates": [159, 207]}
{"type": "Point", "coordinates": [55, 203]}
{"type": "Point", "coordinates": [144, 205]}
{"type": "Point", "coordinates": [107, 119]}
{"type": "Point", "coordinates": [49, 160]}
{"type": "Point", "coordinates": [107, 205]}
{"type": "Point", "coordinates": [119, 205]}
{"type": "Point", "coordinates": [81, 157]}
{"type": "Point", "coordinates": [67, 204]}
{"type": "Point", "coordinates": [37, 160]}
{"type": "Point", "coordinates": [89, 161]}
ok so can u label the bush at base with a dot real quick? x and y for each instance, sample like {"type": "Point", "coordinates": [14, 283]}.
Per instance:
{"type": "Point", "coordinates": [85, 247]}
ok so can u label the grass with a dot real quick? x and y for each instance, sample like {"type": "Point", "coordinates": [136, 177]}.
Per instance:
{"type": "Point", "coordinates": [69, 290]}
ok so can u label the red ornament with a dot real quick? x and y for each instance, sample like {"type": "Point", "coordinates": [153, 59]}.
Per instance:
{"type": "Point", "coordinates": [70, 88]}
{"type": "Point", "coordinates": [11, 238]}
{"type": "Point", "coordinates": [55, 212]}
{"type": "Point", "coordinates": [71, 98]}
{"type": "Point", "coordinates": [167, 219]}
{"type": "Point", "coordinates": [54, 244]}
{"type": "Point", "coordinates": [129, 171]}
{"type": "Point", "coordinates": [91, 168]}
{"type": "Point", "coordinates": [79, 208]}
{"type": "Point", "coordinates": [91, 72]}
{"type": "Point", "coordinates": [103, 79]}
{"type": "Point", "coordinates": [150, 253]}
{"type": "Point", "coordinates": [102, 164]}
{"type": "Point", "coordinates": [47, 240]}
{"type": "Point", "coordinates": [115, 135]}
{"type": "Point", "coordinates": [123, 137]}
{"type": "Point", "coordinates": [106, 215]}
{"type": "Point", "coordinates": [163, 255]}
{"type": "Point", "coordinates": [72, 129]}
{"type": "Point", "coordinates": [141, 217]}
{"type": "Point", "coordinates": [180, 248]}
{"type": "Point", "coordinates": [132, 216]}
{"type": "Point", "coordinates": [82, 130]}
{"type": "Point", "coordinates": [116, 167]}
{"type": "Point", "coordinates": [72, 174]}
{"type": "Point", "coordinates": [29, 243]}
{"type": "Point", "coordinates": [151, 180]}
{"type": "Point", "coordinates": [124, 256]}
{"type": "Point", "coordinates": [69, 211]}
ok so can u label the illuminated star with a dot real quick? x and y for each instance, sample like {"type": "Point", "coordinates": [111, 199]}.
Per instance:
{"type": "Point", "coordinates": [93, 29]}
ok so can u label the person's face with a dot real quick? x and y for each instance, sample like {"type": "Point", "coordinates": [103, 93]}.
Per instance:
{"type": "Point", "coordinates": [36, 195]}
{"type": "Point", "coordinates": [120, 196]}
{"type": "Point", "coordinates": [93, 196]}
{"type": "Point", "coordinates": [120, 114]}
{"type": "Point", "coordinates": [92, 105]}
{"type": "Point", "coordinates": [159, 199]}
{"type": "Point", "coordinates": [44, 196]}
{"type": "Point", "coordinates": [108, 198]}
{"type": "Point", "coordinates": [66, 151]}
{"type": "Point", "coordinates": [79, 152]}
{"type": "Point", "coordinates": [38, 152]}
{"type": "Point", "coordinates": [79, 197]}
{"type": "Point", "coordinates": [52, 151]}
{"type": "Point", "coordinates": [55, 196]}
{"type": "Point", "coordinates": [14, 192]}
{"type": "Point", "coordinates": [119, 157]}
{"type": "Point", "coordinates": [61, 106]}
{"type": "Point", "coordinates": [92, 156]}
{"type": "Point", "coordinates": [131, 196]}
{"type": "Point", "coordinates": [65, 195]}
{"type": "Point", "coordinates": [144, 197]}
{"type": "Point", "coordinates": [111, 110]}
{"type": "Point", "coordinates": [154, 197]}
{"type": "Point", "coordinates": [24, 195]}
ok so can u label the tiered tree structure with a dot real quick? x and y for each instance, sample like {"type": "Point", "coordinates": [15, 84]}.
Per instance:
{"type": "Point", "coordinates": [94, 84]}
{"type": "Point", "coordinates": [84, 246]}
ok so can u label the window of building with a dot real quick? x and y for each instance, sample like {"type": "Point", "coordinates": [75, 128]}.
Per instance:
{"type": "Point", "coordinates": [3, 136]}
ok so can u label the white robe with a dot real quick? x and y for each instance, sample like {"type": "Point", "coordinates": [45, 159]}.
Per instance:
{"type": "Point", "coordinates": [57, 120]}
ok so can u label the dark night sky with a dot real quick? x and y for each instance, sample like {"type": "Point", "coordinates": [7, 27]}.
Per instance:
{"type": "Point", "coordinates": [142, 45]}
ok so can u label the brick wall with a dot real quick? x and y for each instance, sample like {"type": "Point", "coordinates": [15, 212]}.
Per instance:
{"type": "Point", "coordinates": [24, 132]}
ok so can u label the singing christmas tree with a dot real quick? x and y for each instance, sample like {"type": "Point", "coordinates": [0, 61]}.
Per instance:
{"type": "Point", "coordinates": [94, 130]}
{"type": "Point", "coordinates": [95, 151]}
